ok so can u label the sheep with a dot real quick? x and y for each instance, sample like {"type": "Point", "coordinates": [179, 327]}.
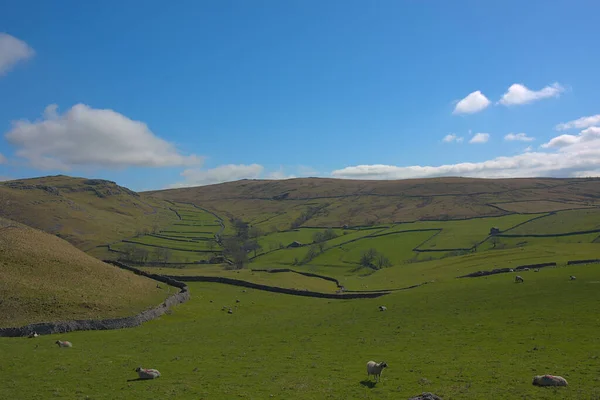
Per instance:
{"type": "Point", "coordinates": [549, 380]}
{"type": "Point", "coordinates": [572, 277]}
{"type": "Point", "coordinates": [518, 278]}
{"type": "Point", "coordinates": [511, 270]}
{"type": "Point", "coordinates": [536, 270]}
{"type": "Point", "coordinates": [33, 334]}
{"type": "Point", "coordinates": [147, 373]}
{"type": "Point", "coordinates": [375, 369]}
{"type": "Point", "coordinates": [65, 343]}
{"type": "Point", "coordinates": [382, 308]}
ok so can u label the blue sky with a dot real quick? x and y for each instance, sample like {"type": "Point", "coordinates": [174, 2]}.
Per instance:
{"type": "Point", "coordinates": [154, 94]}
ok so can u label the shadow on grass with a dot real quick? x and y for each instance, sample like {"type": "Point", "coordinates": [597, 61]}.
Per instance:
{"type": "Point", "coordinates": [369, 384]}
{"type": "Point", "coordinates": [138, 379]}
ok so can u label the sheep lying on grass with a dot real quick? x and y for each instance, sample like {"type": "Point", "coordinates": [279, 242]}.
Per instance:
{"type": "Point", "coordinates": [149, 373]}
{"type": "Point", "coordinates": [374, 368]}
{"type": "Point", "coordinates": [572, 277]}
{"type": "Point", "coordinates": [382, 308]}
{"type": "Point", "coordinates": [549, 380]}
{"type": "Point", "coordinates": [65, 343]}
{"type": "Point", "coordinates": [518, 278]}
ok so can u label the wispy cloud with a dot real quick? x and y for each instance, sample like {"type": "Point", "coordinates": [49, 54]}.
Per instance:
{"type": "Point", "coordinates": [12, 52]}
{"type": "Point", "coordinates": [89, 137]}
{"type": "Point", "coordinates": [473, 103]}
{"type": "Point", "coordinates": [222, 173]}
{"type": "Point", "coordinates": [583, 122]}
{"type": "Point", "coordinates": [519, 94]}
{"type": "Point", "coordinates": [2, 159]}
{"type": "Point", "coordinates": [452, 138]}
{"type": "Point", "coordinates": [567, 156]}
{"type": "Point", "coordinates": [521, 137]}
{"type": "Point", "coordinates": [480, 138]}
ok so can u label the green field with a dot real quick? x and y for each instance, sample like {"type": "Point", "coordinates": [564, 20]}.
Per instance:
{"type": "Point", "coordinates": [562, 222]}
{"type": "Point", "coordinates": [465, 339]}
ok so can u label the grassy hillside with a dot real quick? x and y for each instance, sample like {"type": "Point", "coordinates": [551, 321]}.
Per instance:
{"type": "Point", "coordinates": [335, 202]}
{"type": "Point", "coordinates": [44, 278]}
{"type": "Point", "coordinates": [85, 212]}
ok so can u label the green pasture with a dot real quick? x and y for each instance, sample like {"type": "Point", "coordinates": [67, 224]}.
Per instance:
{"type": "Point", "coordinates": [562, 222]}
{"type": "Point", "coordinates": [462, 233]}
{"type": "Point", "coordinates": [461, 339]}
{"type": "Point", "coordinates": [281, 279]}
{"type": "Point", "coordinates": [175, 244]}
{"type": "Point", "coordinates": [175, 256]}
{"type": "Point", "coordinates": [396, 247]}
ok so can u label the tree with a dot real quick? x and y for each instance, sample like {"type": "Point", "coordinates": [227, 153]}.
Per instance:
{"type": "Point", "coordinates": [233, 247]}
{"type": "Point", "coordinates": [382, 261]}
{"type": "Point", "coordinates": [312, 252]}
{"type": "Point", "coordinates": [253, 245]}
{"type": "Point", "coordinates": [254, 232]}
{"type": "Point", "coordinates": [367, 258]}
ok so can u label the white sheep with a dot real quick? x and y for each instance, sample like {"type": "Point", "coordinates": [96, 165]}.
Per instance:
{"type": "Point", "coordinates": [33, 334]}
{"type": "Point", "coordinates": [518, 278]}
{"type": "Point", "coordinates": [147, 373]}
{"type": "Point", "coordinates": [65, 343]}
{"type": "Point", "coordinates": [382, 308]}
{"type": "Point", "coordinates": [549, 380]}
{"type": "Point", "coordinates": [536, 270]}
{"type": "Point", "coordinates": [374, 368]}
{"type": "Point", "coordinates": [572, 277]}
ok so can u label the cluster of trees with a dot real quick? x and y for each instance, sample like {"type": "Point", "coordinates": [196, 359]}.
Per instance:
{"type": "Point", "coordinates": [374, 259]}
{"type": "Point", "coordinates": [237, 246]}
{"type": "Point", "coordinates": [141, 255]}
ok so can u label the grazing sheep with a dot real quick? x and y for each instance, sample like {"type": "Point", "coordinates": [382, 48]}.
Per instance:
{"type": "Point", "coordinates": [511, 270]}
{"type": "Point", "coordinates": [525, 269]}
{"type": "Point", "coordinates": [572, 277]}
{"type": "Point", "coordinates": [149, 373]}
{"type": "Point", "coordinates": [549, 380]}
{"type": "Point", "coordinates": [518, 278]}
{"type": "Point", "coordinates": [374, 368]}
{"type": "Point", "coordinates": [382, 308]}
{"type": "Point", "coordinates": [33, 334]}
{"type": "Point", "coordinates": [230, 311]}
{"type": "Point", "coordinates": [237, 300]}
{"type": "Point", "coordinates": [65, 343]}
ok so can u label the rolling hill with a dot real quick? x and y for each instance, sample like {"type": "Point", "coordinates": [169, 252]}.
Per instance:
{"type": "Point", "coordinates": [336, 202]}
{"type": "Point", "coordinates": [44, 278]}
{"type": "Point", "coordinates": [85, 212]}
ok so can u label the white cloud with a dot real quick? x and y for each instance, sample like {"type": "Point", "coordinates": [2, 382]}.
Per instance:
{"type": "Point", "coordinates": [577, 156]}
{"type": "Point", "coordinates": [528, 149]}
{"type": "Point", "coordinates": [84, 136]}
{"type": "Point", "coordinates": [587, 135]}
{"type": "Point", "coordinates": [306, 171]}
{"type": "Point", "coordinates": [12, 51]}
{"type": "Point", "coordinates": [279, 174]}
{"type": "Point", "coordinates": [222, 173]}
{"type": "Point", "coordinates": [519, 94]}
{"type": "Point", "coordinates": [452, 138]}
{"type": "Point", "coordinates": [473, 103]}
{"type": "Point", "coordinates": [480, 138]}
{"type": "Point", "coordinates": [583, 122]}
{"type": "Point", "coordinates": [521, 137]}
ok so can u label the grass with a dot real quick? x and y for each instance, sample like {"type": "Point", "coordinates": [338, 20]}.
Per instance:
{"type": "Point", "coordinates": [562, 222]}
{"type": "Point", "coordinates": [43, 278]}
{"type": "Point", "coordinates": [397, 247]}
{"type": "Point", "coordinates": [174, 244]}
{"type": "Point", "coordinates": [466, 339]}
{"type": "Point", "coordinates": [281, 279]}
